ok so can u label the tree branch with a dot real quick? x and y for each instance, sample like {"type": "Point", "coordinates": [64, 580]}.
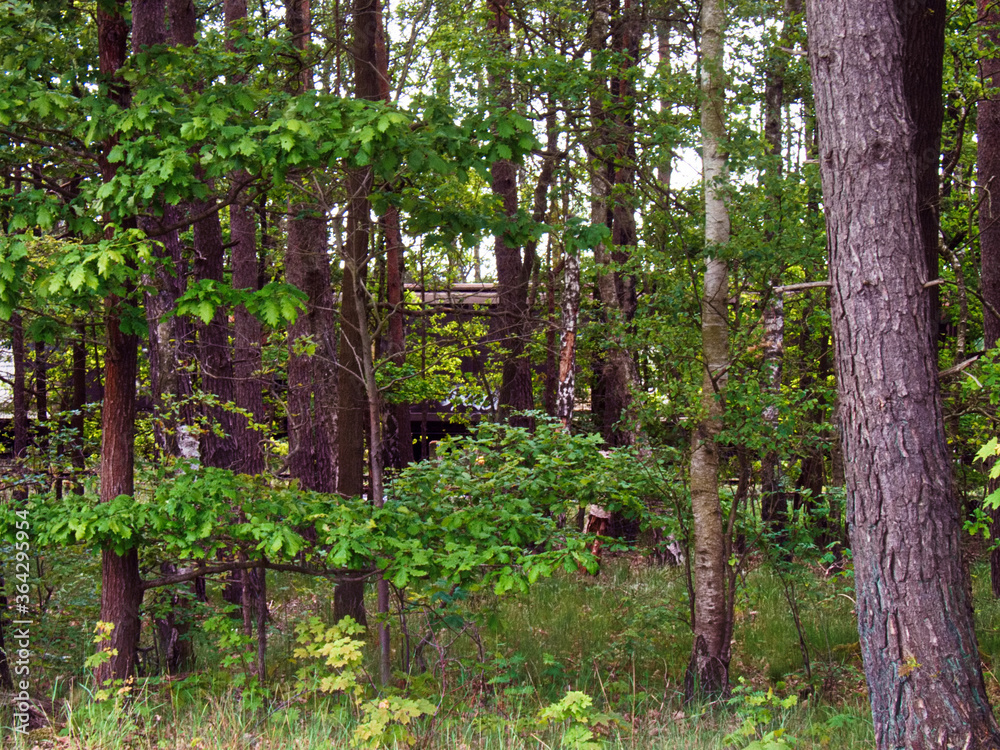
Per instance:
{"type": "Point", "coordinates": [336, 574]}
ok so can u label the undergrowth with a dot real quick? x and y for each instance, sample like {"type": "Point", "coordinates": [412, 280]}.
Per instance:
{"type": "Point", "coordinates": [581, 661]}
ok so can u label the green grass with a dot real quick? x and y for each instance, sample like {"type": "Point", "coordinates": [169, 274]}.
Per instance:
{"type": "Point", "coordinates": [621, 637]}
{"type": "Point", "coordinates": [224, 723]}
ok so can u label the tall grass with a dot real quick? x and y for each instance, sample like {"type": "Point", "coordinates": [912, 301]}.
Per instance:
{"type": "Point", "coordinates": [621, 637]}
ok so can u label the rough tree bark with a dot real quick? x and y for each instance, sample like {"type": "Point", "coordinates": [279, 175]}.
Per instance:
{"type": "Point", "coordinates": [600, 182]}
{"type": "Point", "coordinates": [312, 378]}
{"type": "Point", "coordinates": [20, 401]}
{"type": "Point", "coordinates": [618, 287]}
{"type": "Point", "coordinates": [168, 379]}
{"type": "Point", "coordinates": [513, 272]}
{"type": "Point", "coordinates": [708, 672]}
{"type": "Point", "coordinates": [215, 357]}
{"type": "Point", "coordinates": [612, 180]}
{"type": "Point", "coordinates": [988, 138]}
{"type": "Point", "coordinates": [79, 399]}
{"type": "Point", "coordinates": [121, 586]}
{"type": "Point", "coordinates": [166, 374]}
{"type": "Point", "coordinates": [398, 437]}
{"type": "Point", "coordinates": [353, 413]}
{"type": "Point", "coordinates": [247, 364]}
{"type": "Point", "coordinates": [41, 391]}
{"type": "Point", "coordinates": [877, 135]}
{"type": "Point", "coordinates": [371, 82]}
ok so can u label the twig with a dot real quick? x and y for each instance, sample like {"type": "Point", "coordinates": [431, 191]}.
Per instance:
{"type": "Point", "coordinates": [801, 287]}
{"type": "Point", "coordinates": [955, 369]}
{"type": "Point", "coordinates": [338, 573]}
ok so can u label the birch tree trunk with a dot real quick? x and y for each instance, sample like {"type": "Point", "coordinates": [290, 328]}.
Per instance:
{"type": "Point", "coordinates": [708, 672]}
{"type": "Point", "coordinates": [566, 385]}
{"type": "Point", "coordinates": [879, 132]}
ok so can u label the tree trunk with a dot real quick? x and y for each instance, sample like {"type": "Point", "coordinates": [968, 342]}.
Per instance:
{"type": "Point", "coordinates": [600, 189]}
{"type": "Point", "coordinates": [612, 185]}
{"type": "Point", "coordinates": [566, 386]}
{"type": "Point", "coordinates": [513, 273]}
{"type": "Point", "coordinates": [988, 139]}
{"type": "Point", "coordinates": [247, 364]}
{"type": "Point", "coordinates": [773, 499]}
{"type": "Point", "coordinates": [215, 357]}
{"type": "Point", "coordinates": [247, 330]}
{"type": "Point", "coordinates": [708, 672]}
{"type": "Point", "coordinates": [312, 389]}
{"type": "Point", "coordinates": [354, 407]}
{"type": "Point", "coordinates": [79, 399]}
{"type": "Point", "coordinates": [877, 136]}
{"type": "Point", "coordinates": [169, 379]}
{"type": "Point", "coordinates": [41, 389]}
{"type": "Point", "coordinates": [312, 377]}
{"type": "Point", "coordinates": [20, 403]}
{"type": "Point", "coordinates": [398, 437]}
{"type": "Point", "coordinates": [168, 279]}
{"type": "Point", "coordinates": [121, 585]}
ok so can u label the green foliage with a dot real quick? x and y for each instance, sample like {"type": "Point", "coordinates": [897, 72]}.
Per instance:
{"type": "Point", "coordinates": [274, 304]}
{"type": "Point", "coordinates": [335, 654]}
{"type": "Point", "coordinates": [386, 722]}
{"type": "Point", "coordinates": [235, 647]}
{"type": "Point", "coordinates": [433, 371]}
{"type": "Point", "coordinates": [989, 453]}
{"type": "Point", "coordinates": [758, 711]}
{"type": "Point", "coordinates": [484, 513]}
{"type": "Point", "coordinates": [577, 715]}
{"type": "Point", "coordinates": [334, 665]}
{"type": "Point", "coordinates": [101, 655]}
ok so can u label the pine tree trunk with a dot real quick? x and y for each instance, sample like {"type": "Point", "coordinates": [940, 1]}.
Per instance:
{"type": "Point", "coordinates": [878, 133]}
{"type": "Point", "coordinates": [513, 273]}
{"type": "Point", "coordinates": [167, 336]}
{"type": "Point", "coordinates": [247, 364]}
{"type": "Point", "coordinates": [312, 376]}
{"type": "Point", "coordinates": [612, 152]}
{"type": "Point", "coordinates": [312, 385]}
{"type": "Point", "coordinates": [354, 406]}
{"type": "Point", "coordinates": [398, 436]}
{"type": "Point", "coordinates": [215, 357]}
{"type": "Point", "coordinates": [41, 389]}
{"type": "Point", "coordinates": [166, 376]}
{"type": "Point", "coordinates": [988, 140]}
{"type": "Point", "coordinates": [398, 439]}
{"type": "Point", "coordinates": [247, 330]}
{"type": "Point", "coordinates": [708, 672]}
{"type": "Point", "coordinates": [121, 585]}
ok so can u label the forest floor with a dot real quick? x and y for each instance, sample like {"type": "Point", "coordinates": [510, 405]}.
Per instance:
{"type": "Point", "coordinates": [510, 672]}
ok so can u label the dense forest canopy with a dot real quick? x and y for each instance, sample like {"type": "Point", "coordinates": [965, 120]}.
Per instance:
{"type": "Point", "coordinates": [386, 311]}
